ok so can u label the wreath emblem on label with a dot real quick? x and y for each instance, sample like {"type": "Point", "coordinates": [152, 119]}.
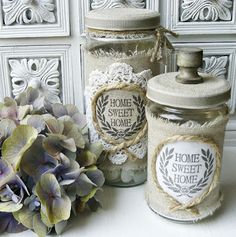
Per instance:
{"type": "Point", "coordinates": [119, 114]}
{"type": "Point", "coordinates": [121, 133]}
{"type": "Point", "coordinates": [187, 170]}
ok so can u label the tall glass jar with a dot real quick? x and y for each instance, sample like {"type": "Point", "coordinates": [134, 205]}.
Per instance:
{"type": "Point", "coordinates": [119, 46]}
{"type": "Point", "coordinates": [187, 115]}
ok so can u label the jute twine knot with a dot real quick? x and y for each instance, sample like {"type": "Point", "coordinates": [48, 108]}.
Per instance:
{"type": "Point", "coordinates": [163, 45]}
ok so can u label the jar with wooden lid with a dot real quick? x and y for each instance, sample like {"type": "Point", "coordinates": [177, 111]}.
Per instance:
{"type": "Point", "coordinates": [118, 50]}
{"type": "Point", "coordinates": [187, 115]}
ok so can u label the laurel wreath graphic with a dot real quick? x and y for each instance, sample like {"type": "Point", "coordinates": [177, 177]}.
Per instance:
{"type": "Point", "coordinates": [103, 101]}
{"type": "Point", "coordinates": [165, 158]}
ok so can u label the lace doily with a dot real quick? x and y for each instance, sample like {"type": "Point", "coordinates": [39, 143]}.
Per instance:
{"type": "Point", "coordinates": [115, 73]}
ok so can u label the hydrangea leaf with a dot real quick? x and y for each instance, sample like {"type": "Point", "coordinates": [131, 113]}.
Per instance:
{"type": "Point", "coordinates": [57, 204]}
{"type": "Point", "coordinates": [17, 144]}
{"type": "Point", "coordinates": [38, 226]}
{"type": "Point", "coordinates": [10, 206]}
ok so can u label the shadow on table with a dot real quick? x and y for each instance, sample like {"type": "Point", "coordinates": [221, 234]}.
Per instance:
{"type": "Point", "coordinates": [228, 204]}
{"type": "Point", "coordinates": [83, 220]}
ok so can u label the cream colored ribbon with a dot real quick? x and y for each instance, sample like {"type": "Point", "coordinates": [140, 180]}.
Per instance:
{"type": "Point", "coordinates": [162, 44]}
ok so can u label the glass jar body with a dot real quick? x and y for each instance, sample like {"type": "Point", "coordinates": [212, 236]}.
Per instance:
{"type": "Point", "coordinates": [117, 68]}
{"type": "Point", "coordinates": [181, 116]}
{"type": "Point", "coordinates": [193, 130]}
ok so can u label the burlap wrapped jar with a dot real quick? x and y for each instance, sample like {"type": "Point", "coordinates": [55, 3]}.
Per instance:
{"type": "Point", "coordinates": [186, 116]}
{"type": "Point", "coordinates": [121, 53]}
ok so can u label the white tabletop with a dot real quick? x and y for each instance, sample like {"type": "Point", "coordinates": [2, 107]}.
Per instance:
{"type": "Point", "coordinates": [125, 213]}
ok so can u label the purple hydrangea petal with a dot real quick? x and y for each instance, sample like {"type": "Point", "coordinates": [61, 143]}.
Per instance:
{"type": "Point", "coordinates": [9, 224]}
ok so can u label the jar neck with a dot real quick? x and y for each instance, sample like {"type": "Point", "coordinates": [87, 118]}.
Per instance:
{"type": "Point", "coordinates": [120, 35]}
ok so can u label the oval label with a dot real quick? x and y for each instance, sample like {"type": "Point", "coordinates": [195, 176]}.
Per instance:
{"type": "Point", "coordinates": [185, 169]}
{"type": "Point", "coordinates": [120, 114]}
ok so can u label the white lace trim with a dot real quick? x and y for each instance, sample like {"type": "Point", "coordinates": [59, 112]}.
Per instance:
{"type": "Point", "coordinates": [115, 73]}
{"type": "Point", "coordinates": [120, 36]}
{"type": "Point", "coordinates": [112, 53]}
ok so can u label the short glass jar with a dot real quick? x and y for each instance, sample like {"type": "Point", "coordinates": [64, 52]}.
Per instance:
{"type": "Point", "coordinates": [118, 50]}
{"type": "Point", "coordinates": [187, 115]}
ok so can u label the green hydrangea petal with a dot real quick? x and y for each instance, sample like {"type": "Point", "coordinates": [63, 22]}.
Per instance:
{"type": "Point", "coordinates": [17, 144]}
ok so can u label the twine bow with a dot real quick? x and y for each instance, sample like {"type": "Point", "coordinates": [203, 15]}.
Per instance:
{"type": "Point", "coordinates": [162, 44]}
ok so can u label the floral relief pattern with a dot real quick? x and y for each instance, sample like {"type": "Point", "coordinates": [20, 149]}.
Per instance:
{"type": "Point", "coordinates": [28, 11]}
{"type": "Point", "coordinates": [216, 66]}
{"type": "Point", "coordinates": [42, 74]}
{"type": "Point", "coordinates": [206, 10]}
{"type": "Point", "coordinates": [102, 4]}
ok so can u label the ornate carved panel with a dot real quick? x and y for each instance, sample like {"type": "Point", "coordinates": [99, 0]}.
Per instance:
{"type": "Point", "coordinates": [219, 60]}
{"type": "Point", "coordinates": [194, 17]}
{"type": "Point", "coordinates": [34, 18]}
{"type": "Point", "coordinates": [206, 10]}
{"type": "Point", "coordinates": [101, 4]}
{"type": "Point", "coordinates": [45, 67]}
{"type": "Point", "coordinates": [216, 65]}
{"type": "Point", "coordinates": [28, 11]}
{"type": "Point", "coordinates": [39, 73]}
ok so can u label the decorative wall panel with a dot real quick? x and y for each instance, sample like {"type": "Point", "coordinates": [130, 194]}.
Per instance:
{"type": "Point", "coordinates": [34, 18]}
{"type": "Point", "coordinates": [102, 4]}
{"type": "Point", "coordinates": [205, 10]}
{"type": "Point", "coordinates": [40, 73]}
{"type": "Point", "coordinates": [45, 67]}
{"type": "Point", "coordinates": [189, 17]}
